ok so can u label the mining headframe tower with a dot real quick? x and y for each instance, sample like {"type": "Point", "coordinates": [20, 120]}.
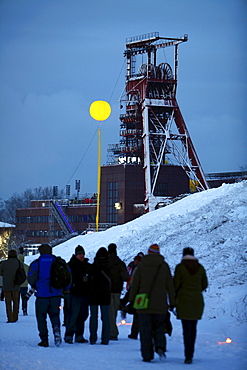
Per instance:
{"type": "Point", "coordinates": [153, 133]}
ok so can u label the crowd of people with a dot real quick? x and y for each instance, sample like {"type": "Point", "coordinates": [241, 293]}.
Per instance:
{"type": "Point", "coordinates": [99, 285]}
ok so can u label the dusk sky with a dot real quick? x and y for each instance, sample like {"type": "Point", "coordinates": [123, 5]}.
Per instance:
{"type": "Point", "coordinates": [58, 56]}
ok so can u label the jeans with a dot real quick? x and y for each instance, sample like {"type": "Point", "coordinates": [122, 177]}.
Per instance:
{"type": "Point", "coordinates": [50, 306]}
{"type": "Point", "coordinates": [152, 328]}
{"type": "Point", "coordinates": [93, 324]}
{"type": "Point", "coordinates": [23, 291]}
{"type": "Point", "coordinates": [135, 325]}
{"type": "Point", "coordinates": [189, 335]}
{"type": "Point", "coordinates": [76, 317]}
{"type": "Point", "coordinates": [114, 307]}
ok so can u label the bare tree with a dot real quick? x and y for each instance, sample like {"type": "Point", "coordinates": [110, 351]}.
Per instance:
{"type": "Point", "coordinates": [23, 200]}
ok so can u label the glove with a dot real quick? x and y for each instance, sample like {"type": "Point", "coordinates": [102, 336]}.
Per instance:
{"type": "Point", "coordinates": [171, 307]}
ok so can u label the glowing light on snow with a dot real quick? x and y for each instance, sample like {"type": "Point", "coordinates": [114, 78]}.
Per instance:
{"type": "Point", "coordinates": [124, 322]}
{"type": "Point", "coordinates": [227, 341]}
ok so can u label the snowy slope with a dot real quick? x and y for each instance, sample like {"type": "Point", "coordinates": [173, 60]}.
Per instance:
{"type": "Point", "coordinates": [214, 224]}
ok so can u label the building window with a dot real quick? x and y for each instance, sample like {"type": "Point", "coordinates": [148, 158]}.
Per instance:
{"type": "Point", "coordinates": [161, 189]}
{"type": "Point", "coordinates": [112, 198]}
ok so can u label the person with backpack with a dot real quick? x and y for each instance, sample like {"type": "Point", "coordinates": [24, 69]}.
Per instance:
{"type": "Point", "coordinates": [23, 287]}
{"type": "Point", "coordinates": [77, 299]}
{"type": "Point", "coordinates": [43, 276]}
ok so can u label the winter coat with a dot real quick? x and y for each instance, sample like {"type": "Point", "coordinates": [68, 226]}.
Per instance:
{"type": "Point", "coordinates": [79, 270]}
{"type": "Point", "coordinates": [21, 258]}
{"type": "Point", "coordinates": [190, 280]}
{"type": "Point", "coordinates": [39, 277]}
{"type": "Point", "coordinates": [100, 282]}
{"type": "Point", "coordinates": [8, 270]}
{"type": "Point", "coordinates": [118, 273]}
{"type": "Point", "coordinates": [161, 288]}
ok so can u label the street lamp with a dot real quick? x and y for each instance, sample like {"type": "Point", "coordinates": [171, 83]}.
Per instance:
{"type": "Point", "coordinates": [99, 110]}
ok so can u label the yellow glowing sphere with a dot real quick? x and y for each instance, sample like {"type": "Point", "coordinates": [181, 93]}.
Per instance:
{"type": "Point", "coordinates": [100, 110]}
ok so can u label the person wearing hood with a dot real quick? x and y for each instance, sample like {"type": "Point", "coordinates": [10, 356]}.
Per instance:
{"type": "Point", "coordinates": [8, 270]}
{"type": "Point", "coordinates": [190, 280]}
{"type": "Point", "coordinates": [153, 277]}
{"type": "Point", "coordinates": [78, 297]}
{"type": "Point", "coordinates": [23, 287]}
{"type": "Point", "coordinates": [118, 274]}
{"type": "Point", "coordinates": [100, 296]}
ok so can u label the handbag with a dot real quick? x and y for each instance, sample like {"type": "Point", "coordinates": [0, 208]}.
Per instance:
{"type": "Point", "coordinates": [142, 299]}
{"type": "Point", "coordinates": [20, 275]}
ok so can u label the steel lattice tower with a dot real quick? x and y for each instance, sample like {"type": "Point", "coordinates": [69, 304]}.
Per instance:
{"type": "Point", "coordinates": [153, 132]}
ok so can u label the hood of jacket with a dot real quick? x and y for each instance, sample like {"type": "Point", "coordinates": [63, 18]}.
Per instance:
{"type": "Point", "coordinates": [191, 264]}
{"type": "Point", "coordinates": [152, 259]}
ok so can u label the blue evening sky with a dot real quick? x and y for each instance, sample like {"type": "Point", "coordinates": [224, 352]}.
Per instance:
{"type": "Point", "coordinates": [58, 56]}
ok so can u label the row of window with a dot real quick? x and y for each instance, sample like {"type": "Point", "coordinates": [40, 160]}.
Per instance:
{"type": "Point", "coordinates": [45, 219]}
{"type": "Point", "coordinates": [44, 233]}
{"type": "Point", "coordinates": [82, 218]}
{"type": "Point", "coordinates": [112, 198]}
{"type": "Point", "coordinates": [161, 189]}
{"type": "Point", "coordinates": [32, 219]}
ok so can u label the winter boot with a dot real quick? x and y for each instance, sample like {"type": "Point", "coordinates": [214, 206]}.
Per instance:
{"type": "Point", "coordinates": [161, 354]}
{"type": "Point", "coordinates": [57, 337]}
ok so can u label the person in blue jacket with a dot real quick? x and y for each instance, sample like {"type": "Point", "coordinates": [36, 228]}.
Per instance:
{"type": "Point", "coordinates": [48, 298]}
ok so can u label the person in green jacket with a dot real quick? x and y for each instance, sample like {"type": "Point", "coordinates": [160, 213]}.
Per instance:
{"type": "Point", "coordinates": [24, 286]}
{"type": "Point", "coordinates": [153, 277]}
{"type": "Point", "coordinates": [190, 280]}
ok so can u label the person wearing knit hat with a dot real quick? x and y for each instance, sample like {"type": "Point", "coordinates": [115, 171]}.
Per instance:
{"type": "Point", "coordinates": [190, 280]}
{"type": "Point", "coordinates": [153, 278]}
{"type": "Point", "coordinates": [8, 270]}
{"type": "Point", "coordinates": [154, 248]}
{"type": "Point", "coordinates": [79, 250]}
{"type": "Point", "coordinates": [77, 304]}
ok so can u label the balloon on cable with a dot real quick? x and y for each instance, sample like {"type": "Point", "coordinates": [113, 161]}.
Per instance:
{"type": "Point", "coordinates": [100, 110]}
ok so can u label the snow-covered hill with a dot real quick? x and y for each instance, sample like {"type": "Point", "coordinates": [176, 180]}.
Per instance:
{"type": "Point", "coordinates": [213, 222]}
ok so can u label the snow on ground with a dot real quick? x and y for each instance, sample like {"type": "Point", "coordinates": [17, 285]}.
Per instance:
{"type": "Point", "coordinates": [212, 222]}
{"type": "Point", "coordinates": [5, 224]}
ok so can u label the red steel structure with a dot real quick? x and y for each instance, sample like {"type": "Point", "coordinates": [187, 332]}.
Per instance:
{"type": "Point", "coordinates": [153, 132]}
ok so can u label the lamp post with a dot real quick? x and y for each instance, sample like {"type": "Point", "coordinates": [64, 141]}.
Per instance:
{"type": "Point", "coordinates": [99, 110]}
